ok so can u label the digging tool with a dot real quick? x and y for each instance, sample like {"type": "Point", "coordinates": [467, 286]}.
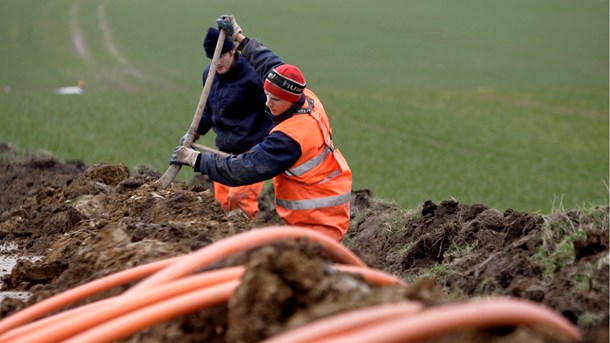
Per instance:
{"type": "Point", "coordinates": [204, 148]}
{"type": "Point", "coordinates": [173, 169]}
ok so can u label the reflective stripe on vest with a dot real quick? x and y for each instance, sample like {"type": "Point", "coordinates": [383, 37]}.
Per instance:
{"type": "Point", "coordinates": [309, 165]}
{"type": "Point", "coordinates": [310, 204]}
{"type": "Point", "coordinates": [333, 174]}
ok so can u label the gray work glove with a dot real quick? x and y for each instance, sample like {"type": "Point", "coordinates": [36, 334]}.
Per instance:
{"type": "Point", "coordinates": [195, 137]}
{"type": "Point", "coordinates": [229, 25]}
{"type": "Point", "coordinates": [184, 156]}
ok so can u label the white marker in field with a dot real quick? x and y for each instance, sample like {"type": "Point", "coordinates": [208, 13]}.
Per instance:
{"type": "Point", "coordinates": [80, 89]}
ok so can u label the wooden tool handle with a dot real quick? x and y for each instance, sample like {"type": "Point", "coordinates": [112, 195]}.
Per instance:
{"type": "Point", "coordinates": [173, 169]}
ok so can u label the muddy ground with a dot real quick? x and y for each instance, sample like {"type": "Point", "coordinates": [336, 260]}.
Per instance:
{"type": "Point", "coordinates": [84, 222]}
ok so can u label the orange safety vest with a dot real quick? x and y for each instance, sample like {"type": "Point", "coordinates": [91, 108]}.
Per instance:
{"type": "Point", "coordinates": [316, 191]}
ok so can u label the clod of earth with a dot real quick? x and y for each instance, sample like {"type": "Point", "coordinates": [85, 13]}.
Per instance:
{"type": "Point", "coordinates": [89, 223]}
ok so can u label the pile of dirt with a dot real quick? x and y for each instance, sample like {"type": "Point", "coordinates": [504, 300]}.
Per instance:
{"type": "Point", "coordinates": [85, 222]}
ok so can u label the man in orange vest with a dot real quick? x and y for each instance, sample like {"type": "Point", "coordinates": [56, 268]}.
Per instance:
{"type": "Point", "coordinates": [312, 180]}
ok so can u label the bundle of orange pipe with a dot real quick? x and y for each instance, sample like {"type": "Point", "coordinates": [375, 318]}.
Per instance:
{"type": "Point", "coordinates": [169, 290]}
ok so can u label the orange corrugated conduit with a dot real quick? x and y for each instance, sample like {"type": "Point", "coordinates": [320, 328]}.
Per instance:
{"type": "Point", "coordinates": [56, 319]}
{"type": "Point", "coordinates": [343, 323]}
{"type": "Point", "coordinates": [242, 242]}
{"type": "Point", "coordinates": [79, 319]}
{"type": "Point", "coordinates": [131, 323]}
{"type": "Point", "coordinates": [120, 306]}
{"type": "Point", "coordinates": [375, 276]}
{"type": "Point", "coordinates": [170, 291]}
{"type": "Point", "coordinates": [81, 292]}
{"type": "Point", "coordinates": [199, 259]}
{"type": "Point", "coordinates": [158, 313]}
{"type": "Point", "coordinates": [449, 318]}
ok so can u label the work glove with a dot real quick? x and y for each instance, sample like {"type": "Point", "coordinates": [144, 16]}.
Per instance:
{"type": "Point", "coordinates": [229, 25]}
{"type": "Point", "coordinates": [183, 138]}
{"type": "Point", "coordinates": [184, 156]}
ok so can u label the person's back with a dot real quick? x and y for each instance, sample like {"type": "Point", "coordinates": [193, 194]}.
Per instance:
{"type": "Point", "coordinates": [316, 191]}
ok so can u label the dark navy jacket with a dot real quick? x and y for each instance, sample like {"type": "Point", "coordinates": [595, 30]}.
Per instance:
{"type": "Point", "coordinates": [274, 155]}
{"type": "Point", "coordinates": [235, 109]}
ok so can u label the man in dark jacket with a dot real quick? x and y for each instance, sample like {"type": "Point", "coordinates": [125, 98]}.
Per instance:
{"type": "Point", "coordinates": [235, 110]}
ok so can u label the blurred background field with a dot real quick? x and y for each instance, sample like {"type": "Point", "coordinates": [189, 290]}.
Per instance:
{"type": "Point", "coordinates": [493, 102]}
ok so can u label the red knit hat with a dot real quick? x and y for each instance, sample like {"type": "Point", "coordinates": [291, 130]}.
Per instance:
{"type": "Point", "coordinates": [286, 82]}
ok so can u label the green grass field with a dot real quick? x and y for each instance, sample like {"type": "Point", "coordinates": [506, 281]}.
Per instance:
{"type": "Point", "coordinates": [493, 102]}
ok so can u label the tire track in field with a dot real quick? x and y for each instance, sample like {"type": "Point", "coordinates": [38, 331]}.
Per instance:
{"type": "Point", "coordinates": [126, 77]}
{"type": "Point", "coordinates": [77, 35]}
{"type": "Point", "coordinates": [100, 71]}
{"type": "Point", "coordinates": [111, 46]}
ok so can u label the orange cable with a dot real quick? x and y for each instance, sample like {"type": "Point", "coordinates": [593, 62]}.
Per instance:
{"type": "Point", "coordinates": [242, 242]}
{"type": "Point", "coordinates": [449, 318]}
{"type": "Point", "coordinates": [166, 294]}
{"type": "Point", "coordinates": [68, 297]}
{"type": "Point", "coordinates": [120, 306]}
{"type": "Point", "coordinates": [157, 313]}
{"type": "Point", "coordinates": [331, 326]}
{"type": "Point", "coordinates": [376, 276]}
{"type": "Point", "coordinates": [56, 319]}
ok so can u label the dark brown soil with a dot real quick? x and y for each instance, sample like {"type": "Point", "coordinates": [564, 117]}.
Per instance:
{"type": "Point", "coordinates": [86, 222]}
